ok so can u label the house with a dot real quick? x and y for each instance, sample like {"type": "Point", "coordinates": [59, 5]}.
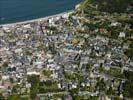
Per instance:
{"type": "Point", "coordinates": [85, 83]}
{"type": "Point", "coordinates": [28, 85]}
{"type": "Point", "coordinates": [122, 35]}
{"type": "Point", "coordinates": [125, 46]}
{"type": "Point", "coordinates": [67, 97]}
{"type": "Point", "coordinates": [33, 73]}
{"type": "Point", "coordinates": [59, 85]}
{"type": "Point", "coordinates": [19, 50]}
{"type": "Point", "coordinates": [6, 29]}
{"type": "Point", "coordinates": [1, 33]}
{"type": "Point", "coordinates": [54, 75]}
{"type": "Point", "coordinates": [27, 26]}
{"type": "Point", "coordinates": [73, 85]}
{"type": "Point", "coordinates": [131, 36]}
{"type": "Point", "coordinates": [115, 23]}
{"type": "Point", "coordinates": [84, 59]}
{"type": "Point", "coordinates": [131, 63]}
{"type": "Point", "coordinates": [5, 77]}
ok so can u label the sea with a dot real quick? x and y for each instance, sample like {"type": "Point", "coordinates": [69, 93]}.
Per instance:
{"type": "Point", "coordinates": [12, 11]}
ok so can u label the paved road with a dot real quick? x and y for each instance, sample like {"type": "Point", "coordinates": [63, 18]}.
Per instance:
{"type": "Point", "coordinates": [52, 93]}
{"type": "Point", "coordinates": [48, 93]}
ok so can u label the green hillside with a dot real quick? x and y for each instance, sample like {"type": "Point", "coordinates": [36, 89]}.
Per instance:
{"type": "Point", "coordinates": [111, 6]}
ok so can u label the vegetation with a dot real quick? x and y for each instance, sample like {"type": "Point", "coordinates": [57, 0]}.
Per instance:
{"type": "Point", "coordinates": [110, 6]}
{"type": "Point", "coordinates": [79, 98]}
{"type": "Point", "coordinates": [1, 97]}
{"type": "Point", "coordinates": [129, 75]}
{"type": "Point", "coordinates": [34, 80]}
{"type": "Point", "coordinates": [14, 97]}
{"type": "Point", "coordinates": [47, 72]}
{"type": "Point", "coordinates": [57, 96]}
{"type": "Point", "coordinates": [128, 89]}
{"type": "Point", "coordinates": [73, 76]}
{"type": "Point", "coordinates": [101, 85]}
{"type": "Point", "coordinates": [48, 86]}
{"type": "Point", "coordinates": [113, 72]}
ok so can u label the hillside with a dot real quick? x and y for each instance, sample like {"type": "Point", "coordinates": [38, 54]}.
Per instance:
{"type": "Point", "coordinates": [111, 6]}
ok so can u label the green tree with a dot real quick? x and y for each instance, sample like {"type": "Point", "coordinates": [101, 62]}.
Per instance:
{"type": "Point", "coordinates": [101, 85]}
{"type": "Point", "coordinates": [34, 80]}
{"type": "Point", "coordinates": [1, 97]}
{"type": "Point", "coordinates": [14, 97]}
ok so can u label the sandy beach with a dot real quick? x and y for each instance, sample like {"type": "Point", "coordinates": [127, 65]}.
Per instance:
{"type": "Point", "coordinates": [38, 19]}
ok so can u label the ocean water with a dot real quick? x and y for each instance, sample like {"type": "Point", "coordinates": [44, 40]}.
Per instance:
{"type": "Point", "coordinates": [20, 10]}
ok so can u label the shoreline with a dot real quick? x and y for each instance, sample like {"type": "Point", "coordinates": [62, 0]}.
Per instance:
{"type": "Point", "coordinates": [37, 19]}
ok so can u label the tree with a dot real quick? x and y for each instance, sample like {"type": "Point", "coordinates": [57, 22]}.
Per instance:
{"type": "Point", "coordinates": [74, 92]}
{"type": "Point", "coordinates": [14, 97]}
{"type": "Point", "coordinates": [1, 97]}
{"type": "Point", "coordinates": [79, 98]}
{"type": "Point", "coordinates": [129, 75]}
{"type": "Point", "coordinates": [34, 80]}
{"type": "Point", "coordinates": [128, 89]}
{"type": "Point", "coordinates": [101, 85]}
{"type": "Point", "coordinates": [47, 73]}
{"type": "Point", "coordinates": [109, 91]}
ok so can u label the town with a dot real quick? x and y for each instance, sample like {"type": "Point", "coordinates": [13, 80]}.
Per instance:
{"type": "Point", "coordinates": [68, 57]}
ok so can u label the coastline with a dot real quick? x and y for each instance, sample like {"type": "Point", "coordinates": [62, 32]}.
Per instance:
{"type": "Point", "coordinates": [38, 19]}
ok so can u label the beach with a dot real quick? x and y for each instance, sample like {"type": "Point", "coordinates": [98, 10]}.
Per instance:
{"type": "Point", "coordinates": [38, 19]}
